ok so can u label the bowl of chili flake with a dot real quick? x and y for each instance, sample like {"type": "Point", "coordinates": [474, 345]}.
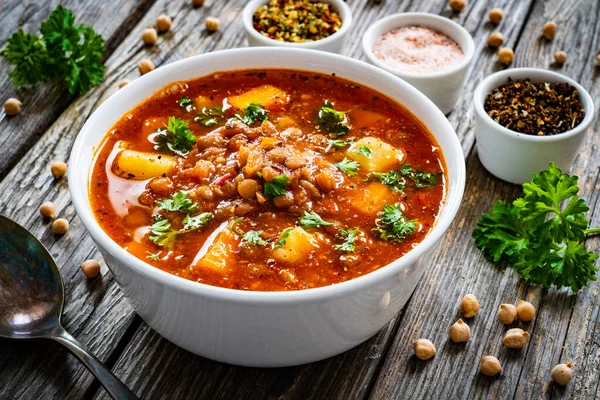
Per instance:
{"type": "Point", "coordinates": [318, 25]}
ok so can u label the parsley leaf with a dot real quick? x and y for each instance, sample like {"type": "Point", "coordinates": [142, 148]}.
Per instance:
{"type": "Point", "coordinates": [187, 104]}
{"type": "Point", "coordinates": [335, 122]}
{"type": "Point", "coordinates": [339, 143]}
{"type": "Point", "coordinates": [28, 54]}
{"type": "Point", "coordinates": [283, 239]}
{"type": "Point", "coordinates": [349, 244]}
{"type": "Point", "coordinates": [210, 116]}
{"type": "Point", "coordinates": [180, 201]}
{"type": "Point", "coordinates": [420, 178]}
{"type": "Point", "coordinates": [163, 235]}
{"type": "Point", "coordinates": [252, 113]}
{"type": "Point", "coordinates": [393, 179]}
{"type": "Point", "coordinates": [177, 137]}
{"type": "Point", "coordinates": [313, 220]}
{"type": "Point", "coordinates": [198, 221]}
{"type": "Point", "coordinates": [540, 234]}
{"type": "Point", "coordinates": [153, 256]}
{"type": "Point", "coordinates": [364, 151]}
{"type": "Point", "coordinates": [253, 237]}
{"type": "Point", "coordinates": [393, 225]}
{"type": "Point", "coordinates": [348, 167]}
{"type": "Point", "coordinates": [277, 186]}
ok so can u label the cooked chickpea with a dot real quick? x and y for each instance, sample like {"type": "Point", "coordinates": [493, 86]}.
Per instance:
{"type": "Point", "coordinates": [525, 311]}
{"type": "Point", "coordinates": [247, 188]}
{"type": "Point", "coordinates": [123, 83]}
{"type": "Point", "coordinates": [506, 56]}
{"type": "Point", "coordinates": [60, 226]}
{"type": "Point", "coordinates": [58, 169]}
{"type": "Point", "coordinates": [560, 57]}
{"type": "Point", "coordinates": [460, 332]}
{"type": "Point", "coordinates": [90, 268]}
{"type": "Point", "coordinates": [424, 349]}
{"type": "Point", "coordinates": [457, 5]}
{"type": "Point", "coordinates": [163, 23]}
{"type": "Point", "coordinates": [149, 36]}
{"type": "Point", "coordinates": [507, 313]}
{"type": "Point", "coordinates": [469, 305]}
{"type": "Point", "coordinates": [212, 24]}
{"type": "Point", "coordinates": [496, 15]}
{"type": "Point", "coordinates": [516, 338]}
{"type": "Point", "coordinates": [496, 39]}
{"type": "Point", "coordinates": [145, 66]}
{"type": "Point", "coordinates": [562, 374]}
{"type": "Point", "coordinates": [12, 106]}
{"type": "Point", "coordinates": [197, 3]}
{"type": "Point", "coordinates": [48, 209]}
{"type": "Point", "coordinates": [490, 366]}
{"type": "Point", "coordinates": [549, 30]}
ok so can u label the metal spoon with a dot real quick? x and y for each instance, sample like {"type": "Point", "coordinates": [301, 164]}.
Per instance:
{"type": "Point", "coordinates": [32, 297]}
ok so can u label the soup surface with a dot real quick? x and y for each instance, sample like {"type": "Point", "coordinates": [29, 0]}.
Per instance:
{"type": "Point", "coordinates": [268, 180]}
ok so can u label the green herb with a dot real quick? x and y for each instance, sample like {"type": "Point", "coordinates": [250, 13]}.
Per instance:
{"type": "Point", "coordinates": [198, 221]}
{"type": "Point", "coordinates": [349, 244]}
{"type": "Point", "coordinates": [187, 104]}
{"type": "Point", "coordinates": [210, 116]}
{"type": "Point", "coordinates": [335, 122]}
{"type": "Point", "coordinates": [253, 113]}
{"type": "Point", "coordinates": [177, 137]}
{"type": "Point", "coordinates": [153, 256]}
{"type": "Point", "coordinates": [364, 151]}
{"type": "Point", "coordinates": [277, 186]}
{"type": "Point", "coordinates": [163, 235]}
{"type": "Point", "coordinates": [540, 234]}
{"type": "Point", "coordinates": [234, 227]}
{"type": "Point", "coordinates": [64, 50]}
{"type": "Point", "coordinates": [313, 220]}
{"type": "Point", "coordinates": [180, 201]}
{"type": "Point", "coordinates": [284, 236]}
{"type": "Point", "coordinates": [393, 225]}
{"type": "Point", "coordinates": [348, 167]}
{"type": "Point", "coordinates": [420, 178]}
{"type": "Point", "coordinates": [393, 179]}
{"type": "Point", "coordinates": [339, 143]}
{"type": "Point", "coordinates": [253, 237]}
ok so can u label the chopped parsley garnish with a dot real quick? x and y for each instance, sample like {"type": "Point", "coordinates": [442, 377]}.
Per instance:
{"type": "Point", "coordinates": [313, 220]}
{"type": "Point", "coordinates": [187, 104]}
{"type": "Point", "coordinates": [419, 177]}
{"type": "Point", "coordinates": [234, 227]}
{"type": "Point", "coordinates": [198, 221]}
{"type": "Point", "coordinates": [210, 116]}
{"type": "Point", "coordinates": [393, 225]}
{"type": "Point", "coordinates": [364, 151]}
{"type": "Point", "coordinates": [177, 137]}
{"type": "Point", "coordinates": [163, 235]}
{"type": "Point", "coordinates": [339, 143]}
{"type": "Point", "coordinates": [350, 236]}
{"type": "Point", "coordinates": [153, 256]}
{"type": "Point", "coordinates": [180, 201]}
{"type": "Point", "coordinates": [253, 237]}
{"type": "Point", "coordinates": [393, 179]}
{"type": "Point", "coordinates": [348, 167]}
{"type": "Point", "coordinates": [284, 236]}
{"type": "Point", "coordinates": [335, 122]}
{"type": "Point", "coordinates": [277, 186]}
{"type": "Point", "coordinates": [252, 113]}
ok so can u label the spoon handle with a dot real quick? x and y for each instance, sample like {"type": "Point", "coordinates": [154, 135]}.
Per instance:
{"type": "Point", "coordinates": [111, 383]}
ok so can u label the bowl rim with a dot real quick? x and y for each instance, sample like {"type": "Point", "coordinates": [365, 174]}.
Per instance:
{"type": "Point", "coordinates": [340, 5]}
{"type": "Point", "coordinates": [499, 78]}
{"type": "Point", "coordinates": [469, 51]}
{"type": "Point", "coordinates": [79, 188]}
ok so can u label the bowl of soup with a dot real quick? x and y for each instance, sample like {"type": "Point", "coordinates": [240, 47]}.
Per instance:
{"type": "Point", "coordinates": [267, 207]}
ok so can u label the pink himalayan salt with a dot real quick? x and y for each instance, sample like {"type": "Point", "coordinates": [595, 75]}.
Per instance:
{"type": "Point", "coordinates": [417, 49]}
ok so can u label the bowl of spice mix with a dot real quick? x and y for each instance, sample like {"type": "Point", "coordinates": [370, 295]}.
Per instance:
{"type": "Point", "coordinates": [318, 25]}
{"type": "Point", "coordinates": [430, 52]}
{"type": "Point", "coordinates": [527, 118]}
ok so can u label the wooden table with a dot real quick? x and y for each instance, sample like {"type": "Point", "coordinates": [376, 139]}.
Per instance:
{"type": "Point", "coordinates": [567, 327]}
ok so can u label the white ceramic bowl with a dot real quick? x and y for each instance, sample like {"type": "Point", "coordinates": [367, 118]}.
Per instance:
{"type": "Point", "coordinates": [441, 87]}
{"type": "Point", "coordinates": [514, 156]}
{"type": "Point", "coordinates": [332, 44]}
{"type": "Point", "coordinates": [268, 329]}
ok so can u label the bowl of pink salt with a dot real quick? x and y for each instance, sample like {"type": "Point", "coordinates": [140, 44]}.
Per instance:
{"type": "Point", "coordinates": [430, 52]}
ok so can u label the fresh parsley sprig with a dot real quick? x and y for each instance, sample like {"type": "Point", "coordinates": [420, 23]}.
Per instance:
{"type": "Point", "coordinates": [313, 220]}
{"type": "Point", "coordinates": [277, 186]}
{"type": "Point", "coordinates": [348, 167]}
{"type": "Point", "coordinates": [177, 137]}
{"type": "Point", "coordinates": [334, 121]}
{"type": "Point", "coordinates": [162, 234]}
{"type": "Point", "coordinates": [396, 180]}
{"type": "Point", "coordinates": [339, 143]}
{"type": "Point", "coordinates": [350, 236]}
{"type": "Point", "coordinates": [283, 239]}
{"type": "Point", "coordinates": [210, 116]}
{"type": "Point", "coordinates": [252, 113]}
{"type": "Point", "coordinates": [393, 225]}
{"type": "Point", "coordinates": [253, 237]}
{"type": "Point", "coordinates": [179, 201]}
{"type": "Point", "coordinates": [187, 104]}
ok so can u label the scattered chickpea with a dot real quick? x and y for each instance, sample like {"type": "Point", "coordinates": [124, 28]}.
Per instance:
{"type": "Point", "coordinates": [525, 311]}
{"type": "Point", "coordinates": [506, 55]}
{"type": "Point", "coordinates": [58, 169]}
{"type": "Point", "coordinates": [60, 226]}
{"type": "Point", "coordinates": [469, 305]}
{"type": "Point", "coordinates": [424, 349]}
{"type": "Point", "coordinates": [149, 36]}
{"type": "Point", "coordinates": [507, 313]}
{"type": "Point", "coordinates": [490, 366]}
{"type": "Point", "coordinates": [549, 30]}
{"type": "Point", "coordinates": [212, 24]}
{"type": "Point", "coordinates": [90, 268]}
{"type": "Point", "coordinates": [48, 210]}
{"type": "Point", "coordinates": [123, 83]}
{"type": "Point", "coordinates": [460, 332]}
{"type": "Point", "coordinates": [197, 3]}
{"type": "Point", "coordinates": [145, 66]}
{"type": "Point", "coordinates": [598, 60]}
{"type": "Point", "coordinates": [457, 5]}
{"type": "Point", "coordinates": [516, 338]}
{"type": "Point", "coordinates": [12, 106]}
{"type": "Point", "coordinates": [560, 57]}
{"type": "Point", "coordinates": [562, 374]}
{"type": "Point", "coordinates": [496, 39]}
{"type": "Point", "coordinates": [163, 23]}
{"type": "Point", "coordinates": [496, 15]}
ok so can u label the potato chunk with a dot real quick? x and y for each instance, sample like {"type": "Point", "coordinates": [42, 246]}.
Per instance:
{"type": "Point", "coordinates": [218, 254]}
{"type": "Point", "coordinates": [138, 165]}
{"type": "Point", "coordinates": [383, 156]}
{"type": "Point", "coordinates": [297, 246]}
{"type": "Point", "coordinates": [372, 199]}
{"type": "Point", "coordinates": [266, 95]}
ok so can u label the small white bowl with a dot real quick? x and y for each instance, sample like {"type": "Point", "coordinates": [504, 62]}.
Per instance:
{"type": "Point", "coordinates": [441, 87]}
{"type": "Point", "coordinates": [332, 44]}
{"type": "Point", "coordinates": [513, 156]}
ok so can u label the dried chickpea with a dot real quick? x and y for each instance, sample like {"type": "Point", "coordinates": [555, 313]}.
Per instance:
{"type": "Point", "coordinates": [598, 60]}
{"type": "Point", "coordinates": [457, 5]}
{"type": "Point", "coordinates": [506, 56]}
{"type": "Point", "coordinates": [48, 210]}
{"type": "Point", "coordinates": [12, 106]}
{"type": "Point", "coordinates": [149, 36]}
{"type": "Point", "coordinates": [490, 366]}
{"type": "Point", "coordinates": [90, 268]}
{"type": "Point", "coordinates": [460, 332]}
{"type": "Point", "coordinates": [163, 22]}
{"type": "Point", "coordinates": [60, 226]}
{"type": "Point", "coordinates": [424, 349]}
{"type": "Point", "coordinates": [560, 57]}
{"type": "Point", "coordinates": [469, 305]}
{"type": "Point", "coordinates": [197, 3]}
{"type": "Point", "coordinates": [58, 169]}
{"type": "Point", "coordinates": [525, 311]}
{"type": "Point", "coordinates": [516, 338]}
{"type": "Point", "coordinates": [496, 15]}
{"type": "Point", "coordinates": [496, 39]}
{"type": "Point", "coordinates": [145, 66]}
{"type": "Point", "coordinates": [123, 83]}
{"type": "Point", "coordinates": [507, 313]}
{"type": "Point", "coordinates": [549, 30]}
{"type": "Point", "coordinates": [212, 24]}
{"type": "Point", "coordinates": [562, 374]}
